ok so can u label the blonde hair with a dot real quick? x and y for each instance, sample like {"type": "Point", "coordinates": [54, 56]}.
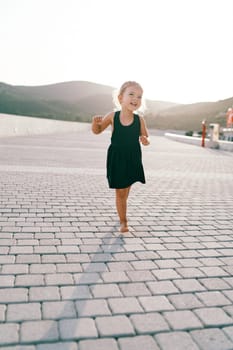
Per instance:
{"type": "Point", "coordinates": [122, 89]}
{"type": "Point", "coordinates": [127, 84]}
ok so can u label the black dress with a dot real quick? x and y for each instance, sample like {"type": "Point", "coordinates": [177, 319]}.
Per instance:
{"type": "Point", "coordinates": [124, 156]}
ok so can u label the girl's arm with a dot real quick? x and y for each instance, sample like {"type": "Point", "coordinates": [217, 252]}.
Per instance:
{"type": "Point", "coordinates": [144, 137]}
{"type": "Point", "coordinates": [100, 123]}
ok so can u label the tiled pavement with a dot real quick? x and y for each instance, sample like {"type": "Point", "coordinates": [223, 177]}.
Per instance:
{"type": "Point", "coordinates": [70, 281]}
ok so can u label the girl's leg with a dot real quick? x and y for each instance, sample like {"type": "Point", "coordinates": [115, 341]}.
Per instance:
{"type": "Point", "coordinates": [121, 205]}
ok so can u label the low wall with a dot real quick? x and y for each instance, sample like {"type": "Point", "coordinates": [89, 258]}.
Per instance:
{"type": "Point", "coordinates": [222, 145]}
{"type": "Point", "coordinates": [12, 125]}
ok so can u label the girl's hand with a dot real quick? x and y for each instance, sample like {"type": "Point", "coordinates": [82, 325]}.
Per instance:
{"type": "Point", "coordinates": [97, 119]}
{"type": "Point", "coordinates": [100, 123]}
{"type": "Point", "coordinates": [144, 140]}
{"type": "Point", "coordinates": [97, 124]}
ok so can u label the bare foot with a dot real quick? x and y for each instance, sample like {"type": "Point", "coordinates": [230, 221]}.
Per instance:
{"type": "Point", "coordinates": [124, 227]}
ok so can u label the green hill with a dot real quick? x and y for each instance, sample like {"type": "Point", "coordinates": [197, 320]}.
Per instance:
{"type": "Point", "coordinates": [80, 100]}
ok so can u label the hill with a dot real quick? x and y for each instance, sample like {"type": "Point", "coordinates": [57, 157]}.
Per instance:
{"type": "Point", "coordinates": [79, 100]}
{"type": "Point", "coordinates": [56, 101]}
{"type": "Point", "coordinates": [190, 116]}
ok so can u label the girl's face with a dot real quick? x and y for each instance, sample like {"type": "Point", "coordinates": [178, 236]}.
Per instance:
{"type": "Point", "coordinates": [131, 98]}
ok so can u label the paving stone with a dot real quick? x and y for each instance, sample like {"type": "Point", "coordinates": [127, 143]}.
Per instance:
{"type": "Point", "coordinates": [98, 344]}
{"type": "Point", "coordinates": [35, 331]}
{"type": "Point", "coordinates": [229, 332]}
{"type": "Point", "coordinates": [213, 298]}
{"type": "Point", "coordinates": [42, 268]}
{"type": "Point", "coordinates": [92, 308]}
{"type": "Point", "coordinates": [166, 274]}
{"type": "Point", "coordinates": [182, 320]}
{"type": "Point", "coordinates": [29, 280]}
{"type": "Point", "coordinates": [134, 289]}
{"type": "Point", "coordinates": [53, 258]}
{"type": "Point", "coordinates": [23, 312]}
{"type": "Point", "coordinates": [9, 333]}
{"type": "Point", "coordinates": [11, 295]}
{"type": "Point", "coordinates": [114, 326]}
{"type": "Point", "coordinates": [2, 313]}
{"type": "Point", "coordinates": [87, 278]}
{"type": "Point", "coordinates": [19, 347]}
{"type": "Point", "coordinates": [105, 291]}
{"type": "Point", "coordinates": [58, 310]}
{"type": "Point", "coordinates": [82, 328]}
{"type": "Point", "coordinates": [168, 263]}
{"type": "Point", "coordinates": [124, 256]}
{"type": "Point", "coordinates": [189, 285]}
{"type": "Point", "coordinates": [62, 268]}
{"type": "Point", "coordinates": [155, 303]}
{"type": "Point", "coordinates": [119, 266]}
{"type": "Point", "coordinates": [213, 339]}
{"type": "Point", "coordinates": [94, 267]}
{"type": "Point", "coordinates": [229, 310]}
{"type": "Point", "coordinates": [75, 292]}
{"type": "Point", "coordinates": [162, 287]}
{"type": "Point", "coordinates": [149, 323]}
{"type": "Point", "coordinates": [190, 272]}
{"type": "Point", "coordinates": [114, 277]}
{"type": "Point", "coordinates": [185, 301]}
{"type": "Point", "coordinates": [124, 305]}
{"type": "Point", "coordinates": [7, 259]}
{"type": "Point", "coordinates": [7, 281]}
{"type": "Point", "coordinates": [145, 255]}
{"type": "Point", "coordinates": [101, 257]}
{"type": "Point", "coordinates": [59, 279]}
{"type": "Point", "coordinates": [143, 342]}
{"type": "Point", "coordinates": [58, 346]}
{"type": "Point", "coordinates": [143, 265]}
{"type": "Point", "coordinates": [140, 276]}
{"type": "Point", "coordinates": [214, 271]}
{"type": "Point", "coordinates": [14, 269]}
{"type": "Point", "coordinates": [44, 293]}
{"type": "Point", "coordinates": [214, 283]}
{"type": "Point", "coordinates": [228, 294]}
{"type": "Point", "coordinates": [213, 317]}
{"type": "Point", "coordinates": [176, 341]}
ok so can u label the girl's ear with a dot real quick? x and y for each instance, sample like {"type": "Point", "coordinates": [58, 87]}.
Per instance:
{"type": "Point", "coordinates": [120, 98]}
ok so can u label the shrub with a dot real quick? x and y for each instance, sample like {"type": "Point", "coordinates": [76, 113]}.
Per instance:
{"type": "Point", "coordinates": [189, 133]}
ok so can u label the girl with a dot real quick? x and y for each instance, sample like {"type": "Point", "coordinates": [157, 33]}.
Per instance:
{"type": "Point", "coordinates": [124, 157]}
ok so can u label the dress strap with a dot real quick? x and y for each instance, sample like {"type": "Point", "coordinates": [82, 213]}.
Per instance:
{"type": "Point", "coordinates": [116, 118]}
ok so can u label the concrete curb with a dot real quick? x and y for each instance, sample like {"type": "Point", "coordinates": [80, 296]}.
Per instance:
{"type": "Point", "coordinates": [222, 145]}
{"type": "Point", "coordinates": [12, 125]}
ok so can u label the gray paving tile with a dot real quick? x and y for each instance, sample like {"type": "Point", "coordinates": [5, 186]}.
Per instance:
{"type": "Point", "coordinates": [149, 323]}
{"type": "Point", "coordinates": [142, 342]}
{"type": "Point", "coordinates": [35, 331]}
{"type": "Point", "coordinates": [98, 344]}
{"type": "Point", "coordinates": [9, 333]}
{"type": "Point", "coordinates": [213, 339]}
{"type": "Point", "coordinates": [114, 326]}
{"type": "Point", "coordinates": [83, 328]}
{"type": "Point", "coordinates": [57, 346]}
{"type": "Point", "coordinates": [176, 341]}
{"type": "Point", "coordinates": [23, 312]}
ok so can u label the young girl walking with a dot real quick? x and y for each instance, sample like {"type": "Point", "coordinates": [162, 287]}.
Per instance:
{"type": "Point", "coordinates": [124, 156]}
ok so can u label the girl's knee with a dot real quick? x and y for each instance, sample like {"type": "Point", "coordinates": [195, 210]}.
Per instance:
{"type": "Point", "coordinates": [122, 193]}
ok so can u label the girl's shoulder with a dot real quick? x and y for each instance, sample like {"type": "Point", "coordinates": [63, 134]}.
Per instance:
{"type": "Point", "coordinates": [110, 115]}
{"type": "Point", "coordinates": [107, 120]}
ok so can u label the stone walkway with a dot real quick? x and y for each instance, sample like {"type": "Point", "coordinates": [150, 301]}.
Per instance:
{"type": "Point", "coordinates": [70, 281]}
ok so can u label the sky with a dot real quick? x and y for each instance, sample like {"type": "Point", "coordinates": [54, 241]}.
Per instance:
{"type": "Point", "coordinates": [178, 50]}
